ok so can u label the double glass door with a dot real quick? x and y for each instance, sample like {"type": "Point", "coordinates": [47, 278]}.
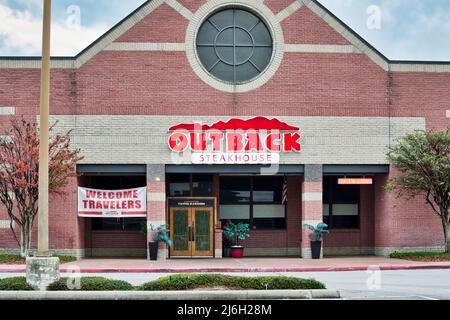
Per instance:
{"type": "Point", "coordinates": [191, 231]}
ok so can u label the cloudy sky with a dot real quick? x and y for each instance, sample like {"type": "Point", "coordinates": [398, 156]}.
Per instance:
{"type": "Point", "coordinates": [400, 29]}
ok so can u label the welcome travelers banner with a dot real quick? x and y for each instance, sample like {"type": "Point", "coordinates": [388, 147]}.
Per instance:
{"type": "Point", "coordinates": [112, 203]}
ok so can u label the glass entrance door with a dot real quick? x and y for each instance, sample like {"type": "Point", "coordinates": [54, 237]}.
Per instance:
{"type": "Point", "coordinates": [191, 230]}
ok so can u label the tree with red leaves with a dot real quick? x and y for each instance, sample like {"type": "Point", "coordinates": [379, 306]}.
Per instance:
{"type": "Point", "coordinates": [19, 175]}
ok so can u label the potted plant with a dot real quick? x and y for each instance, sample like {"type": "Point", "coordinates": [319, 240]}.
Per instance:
{"type": "Point", "coordinates": [226, 242]}
{"type": "Point", "coordinates": [237, 232]}
{"type": "Point", "coordinates": [316, 238]}
{"type": "Point", "coordinates": [157, 234]}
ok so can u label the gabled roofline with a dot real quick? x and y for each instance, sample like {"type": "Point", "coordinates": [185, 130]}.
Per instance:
{"type": "Point", "coordinates": [147, 7]}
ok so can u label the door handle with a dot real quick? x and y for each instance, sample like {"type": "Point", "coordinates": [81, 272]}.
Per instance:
{"type": "Point", "coordinates": [191, 234]}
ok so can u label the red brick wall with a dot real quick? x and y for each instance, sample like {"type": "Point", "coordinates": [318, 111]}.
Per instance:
{"type": "Point", "coordinates": [404, 222]}
{"type": "Point", "coordinates": [162, 25]}
{"type": "Point", "coordinates": [118, 239]}
{"type": "Point", "coordinates": [311, 30]}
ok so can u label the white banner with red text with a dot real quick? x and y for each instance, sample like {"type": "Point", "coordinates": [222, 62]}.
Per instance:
{"type": "Point", "coordinates": [130, 203]}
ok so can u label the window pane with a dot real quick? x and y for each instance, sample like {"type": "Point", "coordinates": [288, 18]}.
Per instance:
{"type": "Point", "coordinates": [245, 19]}
{"type": "Point", "coordinates": [345, 209]}
{"type": "Point", "coordinates": [202, 185]}
{"type": "Point", "coordinates": [234, 37]}
{"type": "Point", "coordinates": [326, 209]}
{"type": "Point", "coordinates": [223, 71]}
{"type": "Point", "coordinates": [269, 211]}
{"type": "Point", "coordinates": [207, 56]}
{"type": "Point", "coordinates": [234, 189]}
{"type": "Point", "coordinates": [179, 185]}
{"type": "Point", "coordinates": [268, 189]}
{"type": "Point", "coordinates": [207, 34]}
{"type": "Point", "coordinates": [234, 211]}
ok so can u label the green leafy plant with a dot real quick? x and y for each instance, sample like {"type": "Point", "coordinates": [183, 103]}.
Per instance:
{"type": "Point", "coordinates": [239, 231]}
{"type": "Point", "coordinates": [195, 281]}
{"type": "Point", "coordinates": [160, 233]}
{"type": "Point", "coordinates": [317, 232]}
{"type": "Point", "coordinates": [15, 284]}
{"type": "Point", "coordinates": [91, 284]}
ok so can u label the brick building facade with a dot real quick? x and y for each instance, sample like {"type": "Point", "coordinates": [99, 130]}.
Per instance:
{"type": "Point", "coordinates": [121, 95]}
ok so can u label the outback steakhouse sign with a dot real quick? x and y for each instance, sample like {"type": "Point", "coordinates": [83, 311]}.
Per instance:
{"type": "Point", "coordinates": [112, 203]}
{"type": "Point", "coordinates": [254, 141]}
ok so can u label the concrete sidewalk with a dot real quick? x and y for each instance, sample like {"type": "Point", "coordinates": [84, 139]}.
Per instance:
{"type": "Point", "coordinates": [237, 265]}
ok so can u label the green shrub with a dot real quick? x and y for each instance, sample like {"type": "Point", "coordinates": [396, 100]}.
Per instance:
{"type": "Point", "coordinates": [195, 281]}
{"type": "Point", "coordinates": [91, 284]}
{"type": "Point", "coordinates": [15, 284]}
{"type": "Point", "coordinates": [66, 259]}
{"type": "Point", "coordinates": [420, 255]}
{"type": "Point", "coordinates": [11, 258]}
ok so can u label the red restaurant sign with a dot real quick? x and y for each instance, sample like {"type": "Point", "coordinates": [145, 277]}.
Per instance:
{"type": "Point", "coordinates": [254, 141]}
{"type": "Point", "coordinates": [112, 203]}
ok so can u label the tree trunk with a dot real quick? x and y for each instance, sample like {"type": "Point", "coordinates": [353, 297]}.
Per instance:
{"type": "Point", "coordinates": [22, 241]}
{"type": "Point", "coordinates": [447, 240]}
{"type": "Point", "coordinates": [446, 227]}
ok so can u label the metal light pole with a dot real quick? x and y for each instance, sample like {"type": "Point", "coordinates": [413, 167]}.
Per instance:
{"type": "Point", "coordinates": [44, 133]}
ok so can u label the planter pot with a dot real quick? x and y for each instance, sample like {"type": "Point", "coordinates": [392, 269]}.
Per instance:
{"type": "Point", "coordinates": [153, 248]}
{"type": "Point", "coordinates": [316, 247]}
{"type": "Point", "coordinates": [237, 252]}
{"type": "Point", "coordinates": [226, 252]}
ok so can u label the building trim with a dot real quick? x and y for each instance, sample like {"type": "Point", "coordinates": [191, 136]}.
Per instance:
{"type": "Point", "coordinates": [233, 169]}
{"type": "Point", "coordinates": [348, 251]}
{"type": "Point", "coordinates": [156, 196]}
{"type": "Point", "coordinates": [447, 113]}
{"type": "Point", "coordinates": [289, 10]}
{"type": "Point", "coordinates": [7, 111]}
{"type": "Point", "coordinates": [93, 169]}
{"type": "Point", "coordinates": [312, 196]}
{"type": "Point", "coordinates": [321, 48]}
{"type": "Point", "coordinates": [180, 8]}
{"type": "Point", "coordinates": [355, 169]}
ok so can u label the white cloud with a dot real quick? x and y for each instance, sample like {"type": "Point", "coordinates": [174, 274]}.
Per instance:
{"type": "Point", "coordinates": [21, 31]}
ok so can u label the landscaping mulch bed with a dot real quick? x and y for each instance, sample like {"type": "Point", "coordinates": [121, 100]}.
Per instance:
{"type": "Point", "coordinates": [11, 259]}
{"type": "Point", "coordinates": [422, 256]}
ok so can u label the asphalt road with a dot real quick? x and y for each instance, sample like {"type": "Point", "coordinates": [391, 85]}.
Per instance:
{"type": "Point", "coordinates": [372, 284]}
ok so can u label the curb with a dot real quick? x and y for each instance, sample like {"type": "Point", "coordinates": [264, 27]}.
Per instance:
{"type": "Point", "coordinates": [171, 295]}
{"type": "Point", "coordinates": [238, 269]}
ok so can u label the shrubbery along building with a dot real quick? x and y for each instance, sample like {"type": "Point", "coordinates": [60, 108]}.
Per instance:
{"type": "Point", "coordinates": [194, 113]}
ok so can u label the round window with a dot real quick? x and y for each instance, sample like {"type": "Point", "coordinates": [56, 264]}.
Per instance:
{"type": "Point", "coordinates": [234, 45]}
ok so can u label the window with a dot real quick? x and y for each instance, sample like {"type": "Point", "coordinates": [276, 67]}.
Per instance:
{"type": "Point", "coordinates": [340, 204]}
{"type": "Point", "coordinates": [119, 224]}
{"type": "Point", "coordinates": [116, 182]}
{"type": "Point", "coordinates": [253, 200]}
{"type": "Point", "coordinates": [234, 45]}
{"type": "Point", "coordinates": [180, 185]}
{"type": "Point", "coordinates": [190, 185]}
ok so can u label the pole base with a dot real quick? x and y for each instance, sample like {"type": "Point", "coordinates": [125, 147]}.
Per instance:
{"type": "Point", "coordinates": [42, 271]}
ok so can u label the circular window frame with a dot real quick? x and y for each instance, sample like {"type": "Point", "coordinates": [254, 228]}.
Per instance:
{"type": "Point", "coordinates": [258, 9]}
